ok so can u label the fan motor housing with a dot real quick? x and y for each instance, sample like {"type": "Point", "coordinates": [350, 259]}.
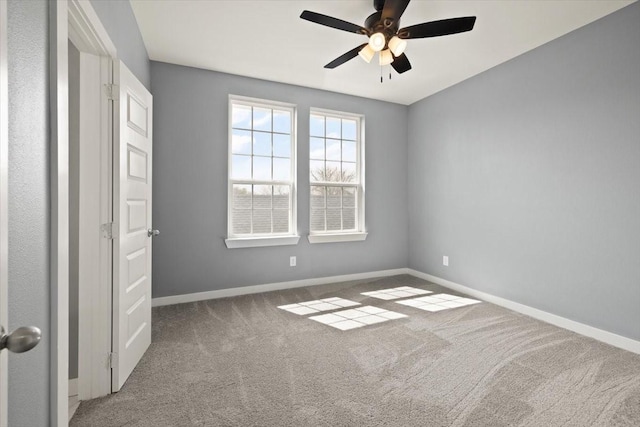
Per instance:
{"type": "Point", "coordinates": [375, 24]}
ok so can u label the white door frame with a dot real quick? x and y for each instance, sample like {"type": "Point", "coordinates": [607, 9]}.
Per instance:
{"type": "Point", "coordinates": [75, 20]}
{"type": "Point", "coordinates": [95, 250]}
{"type": "Point", "coordinates": [59, 249]}
{"type": "Point", "coordinates": [4, 151]}
{"type": "Point", "coordinates": [94, 315]}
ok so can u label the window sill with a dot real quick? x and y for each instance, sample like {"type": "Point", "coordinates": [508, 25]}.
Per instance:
{"type": "Point", "coordinates": [337, 237]}
{"type": "Point", "coordinates": [258, 242]}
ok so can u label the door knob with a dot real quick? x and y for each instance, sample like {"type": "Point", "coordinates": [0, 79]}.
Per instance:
{"type": "Point", "coordinates": [153, 233]}
{"type": "Point", "coordinates": [21, 340]}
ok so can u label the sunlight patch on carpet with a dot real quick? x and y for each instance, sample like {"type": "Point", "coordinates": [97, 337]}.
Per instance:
{"type": "Point", "coordinates": [316, 306]}
{"type": "Point", "coordinates": [438, 302]}
{"type": "Point", "coordinates": [357, 317]}
{"type": "Point", "coordinates": [395, 293]}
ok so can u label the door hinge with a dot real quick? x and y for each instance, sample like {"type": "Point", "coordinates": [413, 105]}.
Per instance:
{"type": "Point", "coordinates": [112, 91]}
{"type": "Point", "coordinates": [109, 230]}
{"type": "Point", "coordinates": [112, 360]}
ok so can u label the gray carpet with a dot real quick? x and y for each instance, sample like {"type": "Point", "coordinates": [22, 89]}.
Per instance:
{"type": "Point", "coordinates": [243, 362]}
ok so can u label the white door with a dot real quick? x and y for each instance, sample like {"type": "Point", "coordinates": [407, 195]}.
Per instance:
{"type": "Point", "coordinates": [24, 338]}
{"type": "Point", "coordinates": [132, 161]}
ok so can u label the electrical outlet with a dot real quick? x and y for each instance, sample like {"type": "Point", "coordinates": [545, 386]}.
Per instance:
{"type": "Point", "coordinates": [445, 261]}
{"type": "Point", "coordinates": [292, 261]}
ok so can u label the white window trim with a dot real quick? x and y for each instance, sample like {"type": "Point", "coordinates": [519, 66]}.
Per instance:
{"type": "Point", "coordinates": [253, 241]}
{"type": "Point", "coordinates": [337, 237]}
{"type": "Point", "coordinates": [257, 242]}
{"type": "Point", "coordinates": [360, 234]}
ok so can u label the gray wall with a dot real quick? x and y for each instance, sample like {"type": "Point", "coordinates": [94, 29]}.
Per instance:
{"type": "Point", "coordinates": [120, 22]}
{"type": "Point", "coordinates": [29, 207]}
{"type": "Point", "coordinates": [74, 204]}
{"type": "Point", "coordinates": [528, 177]}
{"type": "Point", "coordinates": [190, 186]}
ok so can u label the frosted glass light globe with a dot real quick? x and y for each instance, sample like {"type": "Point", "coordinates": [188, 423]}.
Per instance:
{"type": "Point", "coordinates": [377, 42]}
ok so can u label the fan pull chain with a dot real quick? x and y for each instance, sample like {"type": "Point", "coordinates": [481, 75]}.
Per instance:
{"type": "Point", "coordinates": [382, 73]}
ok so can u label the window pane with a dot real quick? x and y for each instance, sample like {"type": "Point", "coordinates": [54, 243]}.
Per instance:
{"type": "Point", "coordinates": [316, 148]}
{"type": "Point", "coordinates": [317, 220]}
{"type": "Point", "coordinates": [281, 169]}
{"type": "Point", "coordinates": [334, 219]}
{"type": "Point", "coordinates": [348, 172]}
{"type": "Point", "coordinates": [349, 197]}
{"type": "Point", "coordinates": [262, 221]}
{"type": "Point", "coordinates": [316, 126]}
{"type": "Point", "coordinates": [262, 119]}
{"type": "Point", "coordinates": [281, 221]}
{"type": "Point", "coordinates": [332, 173]}
{"type": "Point", "coordinates": [262, 168]}
{"type": "Point", "coordinates": [280, 197]}
{"type": "Point", "coordinates": [241, 117]}
{"type": "Point", "coordinates": [241, 142]}
{"type": "Point", "coordinates": [334, 197]}
{"type": "Point", "coordinates": [241, 196]}
{"type": "Point", "coordinates": [261, 197]}
{"type": "Point", "coordinates": [333, 149]}
{"type": "Point", "coordinates": [261, 144]}
{"type": "Point", "coordinates": [333, 128]}
{"type": "Point", "coordinates": [317, 197]}
{"type": "Point", "coordinates": [348, 151]}
{"type": "Point", "coordinates": [348, 219]}
{"type": "Point", "coordinates": [241, 167]}
{"type": "Point", "coordinates": [316, 169]}
{"type": "Point", "coordinates": [281, 145]}
{"type": "Point", "coordinates": [349, 129]}
{"type": "Point", "coordinates": [282, 121]}
{"type": "Point", "coordinates": [241, 221]}
{"type": "Point", "coordinates": [317, 208]}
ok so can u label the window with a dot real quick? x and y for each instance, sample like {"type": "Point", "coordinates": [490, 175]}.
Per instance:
{"type": "Point", "coordinates": [336, 177]}
{"type": "Point", "coordinates": [261, 193]}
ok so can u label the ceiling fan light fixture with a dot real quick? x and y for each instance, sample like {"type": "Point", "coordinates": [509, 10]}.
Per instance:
{"type": "Point", "coordinates": [384, 34]}
{"type": "Point", "coordinates": [377, 42]}
{"type": "Point", "coordinates": [366, 53]}
{"type": "Point", "coordinates": [385, 57]}
{"type": "Point", "coordinates": [397, 45]}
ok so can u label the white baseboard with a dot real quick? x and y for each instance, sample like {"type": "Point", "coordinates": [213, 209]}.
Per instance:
{"type": "Point", "coordinates": [245, 290]}
{"type": "Point", "coordinates": [562, 322]}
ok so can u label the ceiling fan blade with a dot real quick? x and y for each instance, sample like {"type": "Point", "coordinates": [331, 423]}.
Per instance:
{"type": "Point", "coordinates": [438, 28]}
{"type": "Point", "coordinates": [329, 21]}
{"type": "Point", "coordinates": [393, 9]}
{"type": "Point", "coordinates": [346, 57]}
{"type": "Point", "coordinates": [401, 64]}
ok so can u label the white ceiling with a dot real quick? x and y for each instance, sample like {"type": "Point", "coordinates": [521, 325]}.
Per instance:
{"type": "Point", "coordinates": [266, 39]}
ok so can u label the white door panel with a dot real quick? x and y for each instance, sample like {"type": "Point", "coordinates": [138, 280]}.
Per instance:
{"type": "Point", "coordinates": [133, 151]}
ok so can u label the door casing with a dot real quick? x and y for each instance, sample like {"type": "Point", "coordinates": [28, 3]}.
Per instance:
{"type": "Point", "coordinates": [94, 315]}
{"type": "Point", "coordinates": [4, 151]}
{"type": "Point", "coordinates": [59, 202]}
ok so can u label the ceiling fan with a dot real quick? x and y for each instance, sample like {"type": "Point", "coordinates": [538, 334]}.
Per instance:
{"type": "Point", "coordinates": [385, 34]}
